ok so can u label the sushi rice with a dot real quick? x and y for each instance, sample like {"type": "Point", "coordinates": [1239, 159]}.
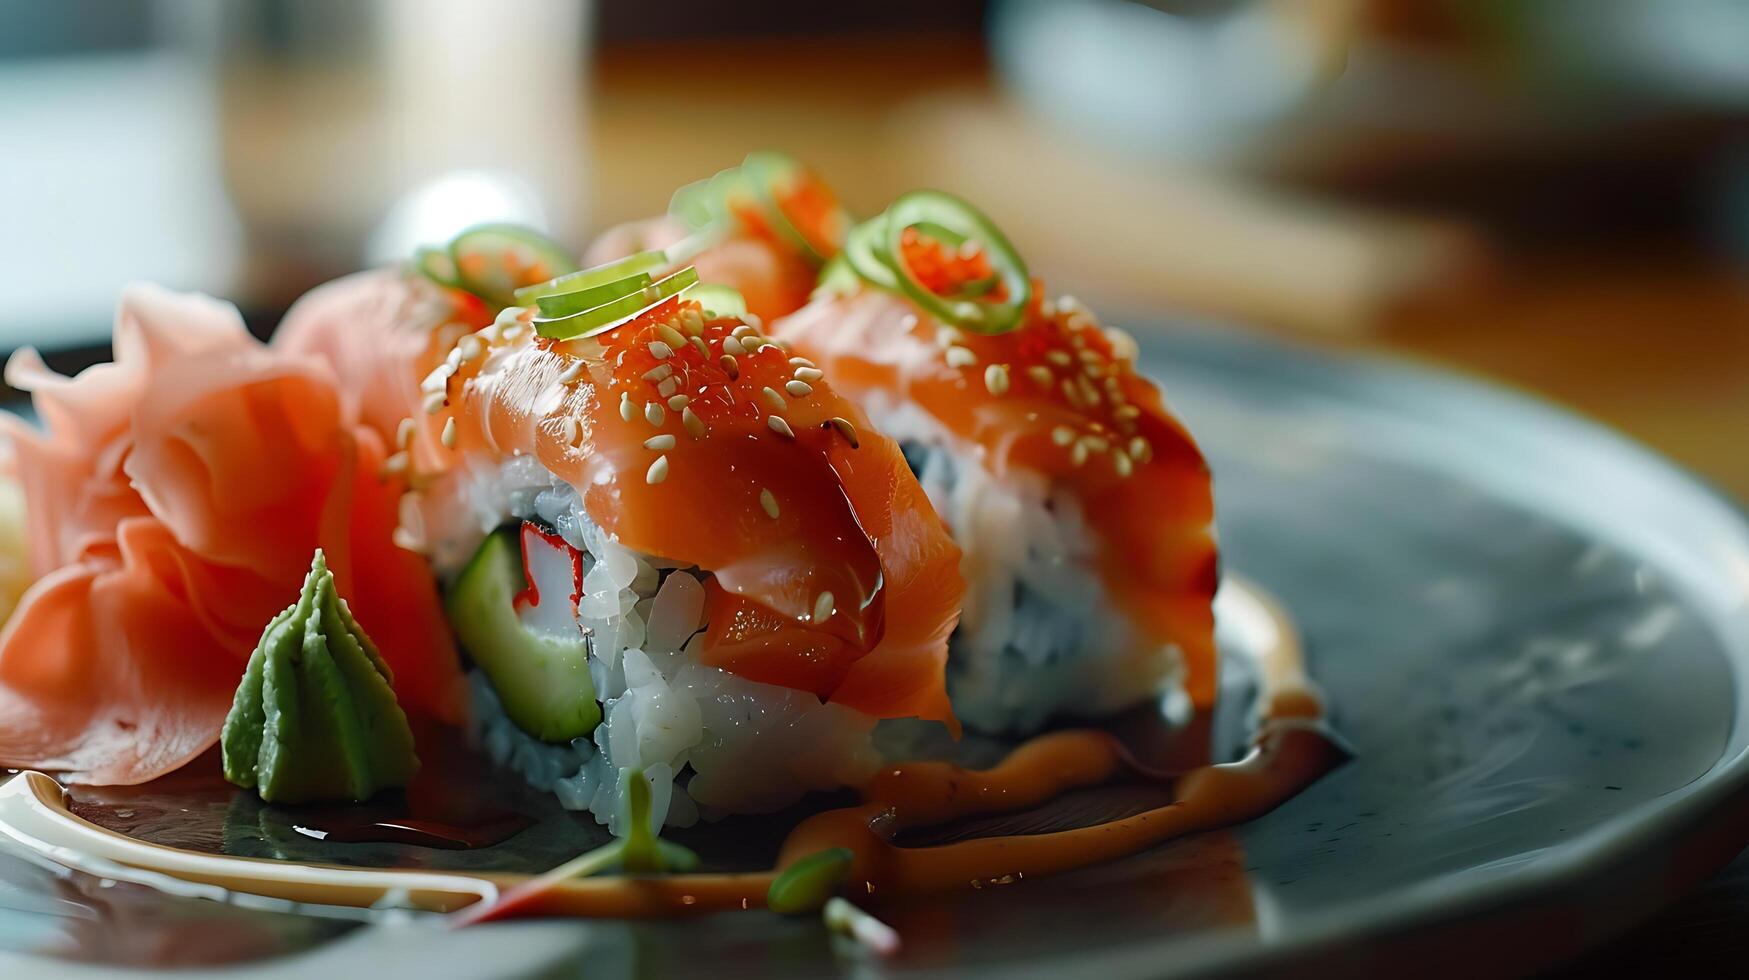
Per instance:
{"type": "Point", "coordinates": [709, 742]}
{"type": "Point", "coordinates": [1038, 638]}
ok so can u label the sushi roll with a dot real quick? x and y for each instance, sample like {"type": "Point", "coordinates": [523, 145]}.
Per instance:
{"type": "Point", "coordinates": [1082, 507]}
{"type": "Point", "coordinates": [667, 544]}
{"type": "Point", "coordinates": [765, 228]}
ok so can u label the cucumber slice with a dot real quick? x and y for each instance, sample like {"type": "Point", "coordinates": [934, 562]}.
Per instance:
{"type": "Point", "coordinates": [543, 680]}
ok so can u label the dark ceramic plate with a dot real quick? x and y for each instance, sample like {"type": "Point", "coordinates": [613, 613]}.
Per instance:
{"type": "Point", "coordinates": [1533, 634]}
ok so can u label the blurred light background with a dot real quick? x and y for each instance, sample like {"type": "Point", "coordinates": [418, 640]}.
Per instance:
{"type": "Point", "coordinates": [1550, 192]}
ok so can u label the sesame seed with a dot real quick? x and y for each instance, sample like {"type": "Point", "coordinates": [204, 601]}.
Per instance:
{"type": "Point", "coordinates": [742, 330]}
{"type": "Point", "coordinates": [1140, 450]}
{"type": "Point", "coordinates": [779, 426]}
{"type": "Point", "coordinates": [949, 336]}
{"type": "Point", "coordinates": [1090, 356]}
{"type": "Point", "coordinates": [397, 463]}
{"type": "Point", "coordinates": [669, 335]}
{"type": "Point", "coordinates": [404, 433]}
{"type": "Point", "coordinates": [798, 388]}
{"type": "Point", "coordinates": [1060, 358]}
{"type": "Point", "coordinates": [663, 442]}
{"type": "Point", "coordinates": [754, 321]}
{"type": "Point", "coordinates": [1048, 310]}
{"type": "Point", "coordinates": [704, 349]}
{"type": "Point", "coordinates": [969, 249]}
{"type": "Point", "coordinates": [769, 502]}
{"type": "Point", "coordinates": [1079, 321]}
{"type": "Point", "coordinates": [1068, 304]}
{"type": "Point", "coordinates": [679, 402]}
{"type": "Point", "coordinates": [694, 425]}
{"type": "Point", "coordinates": [1126, 412]}
{"type": "Point", "coordinates": [572, 372]}
{"type": "Point", "coordinates": [755, 343]}
{"type": "Point", "coordinates": [692, 321]}
{"type": "Point", "coordinates": [772, 397]}
{"type": "Point", "coordinates": [996, 379]}
{"type": "Point", "coordinates": [404, 539]}
{"type": "Point", "coordinates": [658, 372]}
{"type": "Point", "coordinates": [845, 429]}
{"type": "Point", "coordinates": [1096, 444]}
{"type": "Point", "coordinates": [824, 606]}
{"type": "Point", "coordinates": [668, 387]}
{"type": "Point", "coordinates": [449, 434]}
{"type": "Point", "coordinates": [1072, 393]}
{"type": "Point", "coordinates": [809, 374]}
{"type": "Point", "coordinates": [660, 351]}
{"type": "Point", "coordinates": [1088, 392]}
{"type": "Point", "coordinates": [654, 413]}
{"type": "Point", "coordinates": [437, 380]}
{"type": "Point", "coordinates": [570, 431]}
{"type": "Point", "coordinates": [1122, 464]}
{"type": "Point", "coordinates": [732, 347]}
{"type": "Point", "coordinates": [1123, 346]}
{"type": "Point", "coordinates": [1078, 455]}
{"type": "Point", "coordinates": [958, 357]}
{"type": "Point", "coordinates": [657, 472]}
{"type": "Point", "coordinates": [434, 402]}
{"type": "Point", "coordinates": [1042, 375]}
{"type": "Point", "coordinates": [1062, 435]}
{"type": "Point", "coordinates": [801, 362]}
{"type": "Point", "coordinates": [730, 368]}
{"type": "Point", "coordinates": [627, 410]}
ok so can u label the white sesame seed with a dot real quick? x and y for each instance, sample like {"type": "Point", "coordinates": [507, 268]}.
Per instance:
{"type": "Point", "coordinates": [769, 502]}
{"type": "Point", "coordinates": [1141, 450]}
{"type": "Point", "coordinates": [801, 362]}
{"type": "Point", "coordinates": [946, 336]}
{"type": "Point", "coordinates": [1048, 310]}
{"type": "Point", "coordinates": [627, 410]}
{"type": "Point", "coordinates": [704, 349]}
{"type": "Point", "coordinates": [662, 443]}
{"type": "Point", "coordinates": [1095, 444]}
{"type": "Point", "coordinates": [1079, 321]}
{"type": "Point", "coordinates": [779, 426]}
{"type": "Point", "coordinates": [1091, 356]}
{"type": "Point", "coordinates": [996, 379]}
{"type": "Point", "coordinates": [434, 402]}
{"type": "Point", "coordinates": [742, 330]}
{"type": "Point", "coordinates": [1068, 304]}
{"type": "Point", "coordinates": [679, 402]}
{"type": "Point", "coordinates": [1123, 346]}
{"type": "Point", "coordinates": [824, 606]}
{"type": "Point", "coordinates": [657, 472]}
{"type": "Point", "coordinates": [668, 387]}
{"type": "Point", "coordinates": [958, 357]}
{"type": "Point", "coordinates": [669, 335]}
{"type": "Point", "coordinates": [729, 366]}
{"type": "Point", "coordinates": [654, 413]}
{"type": "Point", "coordinates": [658, 372]}
{"type": "Point", "coordinates": [772, 398]}
{"type": "Point", "coordinates": [397, 463]}
{"type": "Point", "coordinates": [1126, 412]}
{"type": "Point", "coordinates": [1062, 435]}
{"type": "Point", "coordinates": [694, 425]}
{"type": "Point", "coordinates": [1042, 375]}
{"type": "Point", "coordinates": [809, 374]}
{"type": "Point", "coordinates": [660, 351]}
{"type": "Point", "coordinates": [1060, 358]}
{"type": "Point", "coordinates": [1078, 455]}
{"type": "Point", "coordinates": [448, 435]}
{"type": "Point", "coordinates": [1072, 393]}
{"type": "Point", "coordinates": [570, 431]}
{"type": "Point", "coordinates": [846, 430]}
{"type": "Point", "coordinates": [1088, 392]}
{"type": "Point", "coordinates": [732, 347]}
{"type": "Point", "coordinates": [692, 321]}
{"type": "Point", "coordinates": [1122, 464]}
{"type": "Point", "coordinates": [798, 388]}
{"type": "Point", "coordinates": [755, 343]}
{"type": "Point", "coordinates": [404, 433]}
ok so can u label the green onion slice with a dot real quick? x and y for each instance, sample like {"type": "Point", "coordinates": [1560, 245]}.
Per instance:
{"type": "Point", "coordinates": [864, 250]}
{"type": "Point", "coordinates": [806, 885]}
{"type": "Point", "coordinates": [612, 314]}
{"type": "Point", "coordinates": [595, 275]}
{"type": "Point", "coordinates": [562, 305]}
{"type": "Point", "coordinates": [935, 210]}
{"type": "Point", "coordinates": [436, 265]}
{"type": "Point", "coordinates": [492, 261]}
{"type": "Point", "coordinates": [718, 299]}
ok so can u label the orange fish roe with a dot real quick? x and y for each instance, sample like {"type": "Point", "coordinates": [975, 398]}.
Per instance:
{"type": "Point", "coordinates": [948, 271]}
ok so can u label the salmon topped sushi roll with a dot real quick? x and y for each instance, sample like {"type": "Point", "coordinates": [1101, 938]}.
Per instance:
{"type": "Point", "coordinates": [668, 544]}
{"type": "Point", "coordinates": [1083, 508]}
{"type": "Point", "coordinates": [763, 228]}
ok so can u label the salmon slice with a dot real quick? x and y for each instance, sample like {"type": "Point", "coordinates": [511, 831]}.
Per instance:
{"type": "Point", "coordinates": [1059, 396]}
{"type": "Point", "coordinates": [175, 498]}
{"type": "Point", "coordinates": [701, 443]}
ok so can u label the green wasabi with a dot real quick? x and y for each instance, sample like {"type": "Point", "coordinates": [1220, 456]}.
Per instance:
{"type": "Point", "coordinates": [315, 717]}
